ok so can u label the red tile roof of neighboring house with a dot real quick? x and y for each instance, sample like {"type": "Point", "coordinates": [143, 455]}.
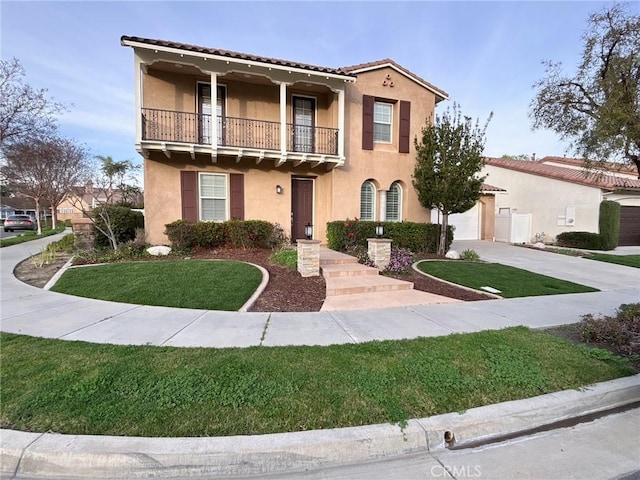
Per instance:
{"type": "Point", "coordinates": [232, 54]}
{"type": "Point", "coordinates": [624, 168]}
{"type": "Point", "coordinates": [387, 61]}
{"type": "Point", "coordinates": [490, 188]}
{"type": "Point", "coordinates": [590, 179]}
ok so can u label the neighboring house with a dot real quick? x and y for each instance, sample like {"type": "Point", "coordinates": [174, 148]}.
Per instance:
{"type": "Point", "coordinates": [85, 199]}
{"type": "Point", "coordinates": [15, 205]}
{"type": "Point", "coordinates": [230, 135]}
{"type": "Point", "coordinates": [558, 195]}
{"type": "Point", "coordinates": [478, 223]}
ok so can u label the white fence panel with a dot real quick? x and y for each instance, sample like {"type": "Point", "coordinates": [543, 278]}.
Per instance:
{"type": "Point", "coordinates": [521, 227]}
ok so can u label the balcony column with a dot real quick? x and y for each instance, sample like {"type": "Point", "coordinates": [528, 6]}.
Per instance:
{"type": "Point", "coordinates": [283, 121]}
{"type": "Point", "coordinates": [383, 205]}
{"type": "Point", "coordinates": [213, 124]}
{"type": "Point", "coordinates": [341, 124]}
{"type": "Point", "coordinates": [139, 70]}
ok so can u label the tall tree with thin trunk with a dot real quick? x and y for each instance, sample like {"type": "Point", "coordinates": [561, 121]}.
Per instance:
{"type": "Point", "coordinates": [68, 167]}
{"type": "Point", "coordinates": [25, 112]}
{"type": "Point", "coordinates": [598, 107]}
{"type": "Point", "coordinates": [449, 159]}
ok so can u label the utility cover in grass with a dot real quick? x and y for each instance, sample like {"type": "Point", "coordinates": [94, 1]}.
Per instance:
{"type": "Point", "coordinates": [200, 284]}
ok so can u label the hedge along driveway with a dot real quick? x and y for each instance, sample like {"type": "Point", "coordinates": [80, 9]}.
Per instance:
{"type": "Point", "coordinates": [201, 284]}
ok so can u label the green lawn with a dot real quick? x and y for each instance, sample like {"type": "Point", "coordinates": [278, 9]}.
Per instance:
{"type": "Point", "coordinates": [84, 388]}
{"type": "Point", "coordinates": [203, 284]}
{"type": "Point", "coordinates": [511, 281]}
{"type": "Point", "coordinates": [627, 260]}
{"type": "Point", "coordinates": [286, 257]}
{"type": "Point", "coordinates": [29, 235]}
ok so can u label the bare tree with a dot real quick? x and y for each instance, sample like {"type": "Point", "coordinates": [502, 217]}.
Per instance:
{"type": "Point", "coordinates": [597, 108]}
{"type": "Point", "coordinates": [25, 112]}
{"type": "Point", "coordinates": [25, 174]}
{"type": "Point", "coordinates": [68, 167]}
{"type": "Point", "coordinates": [112, 184]}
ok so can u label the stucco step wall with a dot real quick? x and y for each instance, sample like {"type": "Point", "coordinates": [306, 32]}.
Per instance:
{"type": "Point", "coordinates": [347, 270]}
{"type": "Point", "coordinates": [364, 284]}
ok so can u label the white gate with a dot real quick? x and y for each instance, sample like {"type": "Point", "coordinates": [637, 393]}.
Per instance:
{"type": "Point", "coordinates": [513, 228]}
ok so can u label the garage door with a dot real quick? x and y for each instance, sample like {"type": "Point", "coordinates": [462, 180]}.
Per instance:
{"type": "Point", "coordinates": [629, 226]}
{"type": "Point", "coordinates": [467, 224]}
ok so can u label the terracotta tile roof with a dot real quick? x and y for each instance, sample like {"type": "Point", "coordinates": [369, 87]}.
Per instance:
{"type": "Point", "coordinates": [387, 61]}
{"type": "Point", "coordinates": [590, 179]}
{"type": "Point", "coordinates": [232, 54]}
{"type": "Point", "coordinates": [490, 188]}
{"type": "Point", "coordinates": [624, 168]}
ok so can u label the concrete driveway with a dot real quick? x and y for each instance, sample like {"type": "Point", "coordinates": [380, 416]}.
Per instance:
{"type": "Point", "coordinates": [601, 275]}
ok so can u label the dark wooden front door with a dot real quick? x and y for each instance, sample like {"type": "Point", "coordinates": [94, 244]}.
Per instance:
{"type": "Point", "coordinates": [301, 206]}
{"type": "Point", "coordinates": [629, 226]}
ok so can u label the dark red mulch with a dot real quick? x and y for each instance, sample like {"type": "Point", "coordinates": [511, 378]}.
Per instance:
{"type": "Point", "coordinates": [287, 291]}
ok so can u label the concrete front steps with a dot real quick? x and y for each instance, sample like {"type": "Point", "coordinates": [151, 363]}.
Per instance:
{"type": "Point", "coordinates": [352, 286]}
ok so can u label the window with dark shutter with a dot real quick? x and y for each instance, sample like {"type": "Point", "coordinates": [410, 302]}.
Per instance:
{"type": "Point", "coordinates": [405, 127]}
{"type": "Point", "coordinates": [367, 122]}
{"type": "Point", "coordinates": [189, 196]}
{"type": "Point", "coordinates": [236, 200]}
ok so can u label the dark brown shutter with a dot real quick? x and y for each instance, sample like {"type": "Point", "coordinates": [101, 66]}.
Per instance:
{"type": "Point", "coordinates": [189, 189]}
{"type": "Point", "coordinates": [405, 127]}
{"type": "Point", "coordinates": [236, 202]}
{"type": "Point", "coordinates": [367, 122]}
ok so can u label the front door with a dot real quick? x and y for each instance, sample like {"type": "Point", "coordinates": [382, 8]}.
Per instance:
{"type": "Point", "coordinates": [301, 206]}
{"type": "Point", "coordinates": [204, 111]}
{"type": "Point", "coordinates": [304, 118]}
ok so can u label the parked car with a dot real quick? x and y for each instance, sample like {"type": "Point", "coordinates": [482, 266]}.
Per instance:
{"type": "Point", "coordinates": [19, 222]}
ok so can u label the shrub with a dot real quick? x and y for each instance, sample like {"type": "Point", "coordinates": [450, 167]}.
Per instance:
{"type": "Point", "coordinates": [285, 257]}
{"type": "Point", "coordinates": [621, 332]}
{"type": "Point", "coordinates": [66, 243]}
{"type": "Point", "coordinates": [124, 222]}
{"type": "Point", "coordinates": [609, 224]}
{"type": "Point", "coordinates": [586, 240]}
{"type": "Point", "coordinates": [400, 261]}
{"type": "Point", "coordinates": [233, 233]}
{"type": "Point", "coordinates": [181, 235]}
{"type": "Point", "coordinates": [470, 255]}
{"type": "Point", "coordinates": [344, 235]}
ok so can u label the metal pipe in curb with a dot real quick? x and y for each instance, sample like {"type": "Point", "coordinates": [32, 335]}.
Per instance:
{"type": "Point", "coordinates": [37, 455]}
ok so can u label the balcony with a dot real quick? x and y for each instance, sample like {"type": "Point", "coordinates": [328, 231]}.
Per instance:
{"type": "Point", "coordinates": [235, 134]}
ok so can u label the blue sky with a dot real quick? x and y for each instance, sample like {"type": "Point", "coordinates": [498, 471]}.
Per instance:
{"type": "Point", "coordinates": [486, 55]}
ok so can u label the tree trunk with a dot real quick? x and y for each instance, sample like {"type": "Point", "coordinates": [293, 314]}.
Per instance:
{"type": "Point", "coordinates": [38, 222]}
{"type": "Point", "coordinates": [442, 242]}
{"type": "Point", "coordinates": [54, 218]}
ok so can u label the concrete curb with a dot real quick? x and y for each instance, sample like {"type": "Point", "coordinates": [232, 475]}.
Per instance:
{"type": "Point", "coordinates": [37, 455]}
{"type": "Point", "coordinates": [58, 274]}
{"type": "Point", "coordinates": [263, 284]}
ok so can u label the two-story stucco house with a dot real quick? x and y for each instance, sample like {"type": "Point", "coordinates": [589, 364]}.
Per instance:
{"type": "Point", "coordinates": [229, 135]}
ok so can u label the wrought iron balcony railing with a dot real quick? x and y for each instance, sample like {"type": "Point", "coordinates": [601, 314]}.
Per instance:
{"type": "Point", "coordinates": [185, 127]}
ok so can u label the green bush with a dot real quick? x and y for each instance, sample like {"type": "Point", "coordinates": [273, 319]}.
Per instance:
{"type": "Point", "coordinates": [66, 243]}
{"type": "Point", "coordinates": [609, 224]}
{"type": "Point", "coordinates": [124, 222]}
{"type": "Point", "coordinates": [345, 235]}
{"type": "Point", "coordinates": [470, 255]}
{"type": "Point", "coordinates": [233, 233]}
{"type": "Point", "coordinates": [586, 240]}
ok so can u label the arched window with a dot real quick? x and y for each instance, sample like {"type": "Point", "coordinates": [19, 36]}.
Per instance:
{"type": "Point", "coordinates": [394, 203]}
{"type": "Point", "coordinates": [367, 201]}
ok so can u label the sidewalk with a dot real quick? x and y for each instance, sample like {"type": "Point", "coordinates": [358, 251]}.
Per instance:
{"type": "Point", "coordinates": [33, 311]}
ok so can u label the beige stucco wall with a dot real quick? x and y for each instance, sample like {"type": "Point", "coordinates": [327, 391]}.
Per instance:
{"type": "Point", "coordinates": [546, 199]}
{"type": "Point", "coordinates": [383, 164]}
{"type": "Point", "coordinates": [163, 195]}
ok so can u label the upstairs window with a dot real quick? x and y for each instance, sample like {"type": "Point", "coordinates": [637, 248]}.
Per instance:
{"type": "Point", "coordinates": [367, 201]}
{"type": "Point", "coordinates": [382, 121]}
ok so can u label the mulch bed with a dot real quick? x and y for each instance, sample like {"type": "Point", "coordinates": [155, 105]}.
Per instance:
{"type": "Point", "coordinates": [287, 291]}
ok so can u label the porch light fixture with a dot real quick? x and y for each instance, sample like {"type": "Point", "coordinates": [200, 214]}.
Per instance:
{"type": "Point", "coordinates": [308, 231]}
{"type": "Point", "coordinates": [379, 230]}
{"type": "Point", "coordinates": [278, 189]}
